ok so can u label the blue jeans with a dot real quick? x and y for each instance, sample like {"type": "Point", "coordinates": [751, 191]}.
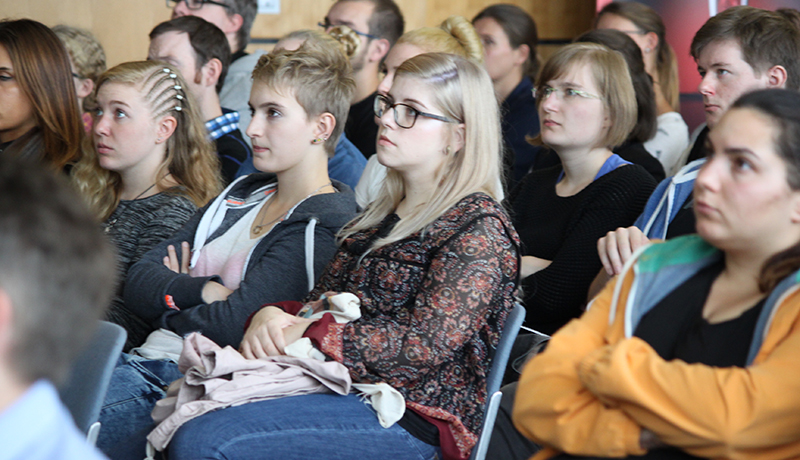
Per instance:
{"type": "Point", "coordinates": [136, 384]}
{"type": "Point", "coordinates": [317, 426]}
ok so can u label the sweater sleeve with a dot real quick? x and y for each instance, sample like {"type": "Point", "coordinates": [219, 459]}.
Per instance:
{"type": "Point", "coordinates": [708, 412]}
{"type": "Point", "coordinates": [555, 294]}
{"type": "Point", "coordinates": [278, 274]}
{"type": "Point", "coordinates": [148, 280]}
{"type": "Point", "coordinates": [462, 284]}
{"type": "Point", "coordinates": [554, 408]}
{"type": "Point", "coordinates": [168, 220]}
{"type": "Point", "coordinates": [155, 228]}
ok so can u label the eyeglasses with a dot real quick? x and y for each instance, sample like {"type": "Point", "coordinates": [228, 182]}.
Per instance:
{"type": "Point", "coordinates": [563, 94]}
{"type": "Point", "coordinates": [404, 115]}
{"type": "Point", "coordinates": [195, 4]}
{"type": "Point", "coordinates": [327, 25]}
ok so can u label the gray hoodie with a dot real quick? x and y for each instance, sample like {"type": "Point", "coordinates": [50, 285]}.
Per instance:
{"type": "Point", "coordinates": [280, 266]}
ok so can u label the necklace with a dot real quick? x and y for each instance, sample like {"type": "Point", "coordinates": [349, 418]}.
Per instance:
{"type": "Point", "coordinates": [262, 225]}
{"type": "Point", "coordinates": [113, 221]}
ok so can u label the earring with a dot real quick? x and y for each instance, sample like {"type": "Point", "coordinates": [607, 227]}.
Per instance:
{"type": "Point", "coordinates": [647, 50]}
{"type": "Point", "coordinates": [319, 140]}
{"type": "Point", "coordinates": [447, 150]}
{"type": "Point", "coordinates": [158, 140]}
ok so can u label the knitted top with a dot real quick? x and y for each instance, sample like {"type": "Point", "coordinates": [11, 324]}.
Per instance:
{"type": "Point", "coordinates": [565, 231]}
{"type": "Point", "coordinates": [135, 227]}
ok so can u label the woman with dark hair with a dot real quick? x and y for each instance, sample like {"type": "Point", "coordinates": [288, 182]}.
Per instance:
{"type": "Point", "coordinates": [690, 352]}
{"type": "Point", "coordinates": [39, 116]}
{"type": "Point", "coordinates": [633, 149]}
{"type": "Point", "coordinates": [509, 41]}
{"type": "Point", "coordinates": [645, 27]}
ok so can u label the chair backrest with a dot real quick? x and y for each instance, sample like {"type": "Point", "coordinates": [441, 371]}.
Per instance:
{"type": "Point", "coordinates": [495, 378]}
{"type": "Point", "coordinates": [514, 321]}
{"type": "Point", "coordinates": [85, 388]}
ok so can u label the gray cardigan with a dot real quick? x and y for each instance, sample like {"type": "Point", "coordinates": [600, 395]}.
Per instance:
{"type": "Point", "coordinates": [276, 269]}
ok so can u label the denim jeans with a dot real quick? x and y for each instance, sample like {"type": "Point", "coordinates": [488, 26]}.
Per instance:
{"type": "Point", "coordinates": [136, 384]}
{"type": "Point", "coordinates": [317, 426]}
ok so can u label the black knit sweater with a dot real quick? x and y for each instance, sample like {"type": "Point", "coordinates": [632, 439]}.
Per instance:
{"type": "Point", "coordinates": [565, 231]}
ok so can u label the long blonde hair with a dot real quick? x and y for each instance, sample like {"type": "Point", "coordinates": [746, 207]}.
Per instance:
{"type": "Point", "coordinates": [463, 91]}
{"type": "Point", "coordinates": [455, 35]}
{"type": "Point", "coordinates": [190, 158]}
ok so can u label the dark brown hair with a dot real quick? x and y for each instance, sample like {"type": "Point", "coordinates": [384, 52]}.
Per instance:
{"type": "Point", "coordinates": [646, 123]}
{"type": "Point", "coordinates": [59, 270]}
{"type": "Point", "coordinates": [765, 38]}
{"type": "Point", "coordinates": [247, 9]}
{"type": "Point", "coordinates": [783, 108]}
{"type": "Point", "coordinates": [42, 69]}
{"type": "Point", "coordinates": [386, 20]}
{"type": "Point", "coordinates": [207, 40]}
{"type": "Point", "coordinates": [520, 29]}
{"type": "Point", "coordinates": [791, 14]}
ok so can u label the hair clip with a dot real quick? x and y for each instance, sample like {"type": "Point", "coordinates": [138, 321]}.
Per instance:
{"type": "Point", "coordinates": [179, 97]}
{"type": "Point", "coordinates": [165, 69]}
{"type": "Point", "coordinates": [178, 108]}
{"type": "Point", "coordinates": [177, 87]}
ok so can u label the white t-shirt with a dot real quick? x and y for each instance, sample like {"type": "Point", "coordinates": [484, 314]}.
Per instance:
{"type": "Point", "coordinates": [670, 140]}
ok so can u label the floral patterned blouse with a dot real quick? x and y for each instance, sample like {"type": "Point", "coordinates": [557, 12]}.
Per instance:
{"type": "Point", "coordinates": [433, 306]}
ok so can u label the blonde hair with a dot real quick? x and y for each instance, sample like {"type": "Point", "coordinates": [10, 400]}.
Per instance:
{"type": "Point", "coordinates": [343, 36]}
{"type": "Point", "coordinates": [190, 158]}
{"type": "Point", "coordinates": [86, 54]}
{"type": "Point", "coordinates": [319, 76]}
{"type": "Point", "coordinates": [85, 51]}
{"type": "Point", "coordinates": [455, 35]}
{"type": "Point", "coordinates": [613, 81]}
{"type": "Point", "coordinates": [462, 91]}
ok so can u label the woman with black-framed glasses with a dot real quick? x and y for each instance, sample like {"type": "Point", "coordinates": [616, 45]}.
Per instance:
{"type": "Point", "coordinates": [405, 115]}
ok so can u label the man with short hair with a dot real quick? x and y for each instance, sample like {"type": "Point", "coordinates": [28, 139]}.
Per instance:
{"type": "Point", "coordinates": [379, 23]}
{"type": "Point", "coordinates": [56, 278]}
{"type": "Point", "coordinates": [201, 53]}
{"type": "Point", "coordinates": [737, 51]}
{"type": "Point", "coordinates": [235, 19]}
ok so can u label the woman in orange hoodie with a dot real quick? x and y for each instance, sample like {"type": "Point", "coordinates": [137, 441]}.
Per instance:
{"type": "Point", "coordinates": [693, 351]}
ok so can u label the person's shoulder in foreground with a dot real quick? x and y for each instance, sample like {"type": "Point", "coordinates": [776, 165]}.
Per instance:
{"type": "Point", "coordinates": [44, 324]}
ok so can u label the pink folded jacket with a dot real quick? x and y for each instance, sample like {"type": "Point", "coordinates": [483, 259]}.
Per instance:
{"type": "Point", "coordinates": [221, 377]}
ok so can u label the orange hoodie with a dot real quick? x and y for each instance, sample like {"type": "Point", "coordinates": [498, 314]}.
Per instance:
{"type": "Point", "coordinates": [595, 387]}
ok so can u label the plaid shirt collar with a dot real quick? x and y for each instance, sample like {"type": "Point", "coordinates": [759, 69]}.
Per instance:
{"type": "Point", "coordinates": [223, 124]}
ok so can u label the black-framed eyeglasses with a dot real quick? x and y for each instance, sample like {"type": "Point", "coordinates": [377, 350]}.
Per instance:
{"type": "Point", "coordinates": [404, 115]}
{"type": "Point", "coordinates": [327, 25]}
{"type": "Point", "coordinates": [195, 4]}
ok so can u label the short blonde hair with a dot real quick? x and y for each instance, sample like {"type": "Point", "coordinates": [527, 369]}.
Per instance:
{"type": "Point", "coordinates": [455, 36]}
{"type": "Point", "coordinates": [613, 81]}
{"type": "Point", "coordinates": [463, 91]}
{"type": "Point", "coordinates": [319, 76]}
